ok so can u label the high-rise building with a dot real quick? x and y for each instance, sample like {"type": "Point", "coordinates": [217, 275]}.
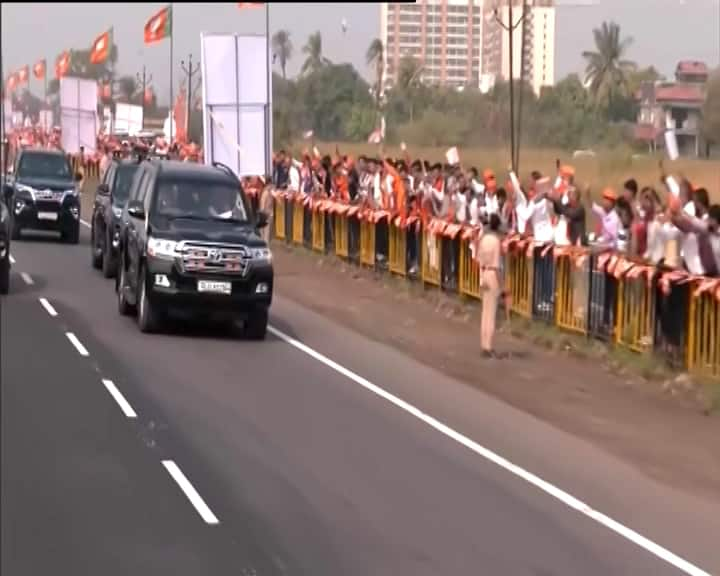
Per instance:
{"type": "Point", "coordinates": [538, 56]}
{"type": "Point", "coordinates": [444, 36]}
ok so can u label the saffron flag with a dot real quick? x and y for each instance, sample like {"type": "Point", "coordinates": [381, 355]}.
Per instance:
{"type": "Point", "coordinates": [159, 26]}
{"type": "Point", "coordinates": [39, 69]}
{"type": "Point", "coordinates": [180, 116]}
{"type": "Point", "coordinates": [249, 4]}
{"type": "Point", "coordinates": [100, 49]}
{"type": "Point", "coordinates": [62, 64]}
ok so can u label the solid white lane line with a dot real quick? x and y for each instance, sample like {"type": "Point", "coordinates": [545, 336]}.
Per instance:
{"type": "Point", "coordinates": [120, 399]}
{"type": "Point", "coordinates": [86, 224]}
{"type": "Point", "coordinates": [48, 307]}
{"type": "Point", "coordinates": [27, 278]}
{"type": "Point", "coordinates": [78, 345]}
{"type": "Point", "coordinates": [12, 260]}
{"type": "Point", "coordinates": [567, 499]}
{"type": "Point", "coordinates": [195, 498]}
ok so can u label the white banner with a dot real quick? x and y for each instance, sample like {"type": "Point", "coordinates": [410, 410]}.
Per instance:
{"type": "Point", "coordinates": [78, 114]}
{"type": "Point", "coordinates": [128, 118]}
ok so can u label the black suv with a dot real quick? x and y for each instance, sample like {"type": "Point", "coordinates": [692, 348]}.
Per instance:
{"type": "Point", "coordinates": [189, 244]}
{"type": "Point", "coordinates": [46, 194]}
{"type": "Point", "coordinates": [5, 233]}
{"type": "Point", "coordinates": [110, 199]}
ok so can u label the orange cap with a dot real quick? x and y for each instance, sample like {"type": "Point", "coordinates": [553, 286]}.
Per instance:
{"type": "Point", "coordinates": [609, 194]}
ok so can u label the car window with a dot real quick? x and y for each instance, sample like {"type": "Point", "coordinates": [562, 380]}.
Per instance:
{"type": "Point", "coordinates": [109, 174]}
{"type": "Point", "coordinates": [200, 199]}
{"type": "Point", "coordinates": [44, 166]}
{"type": "Point", "coordinates": [149, 185]}
{"type": "Point", "coordinates": [142, 187]}
{"type": "Point", "coordinates": [135, 187]}
{"type": "Point", "coordinates": [123, 178]}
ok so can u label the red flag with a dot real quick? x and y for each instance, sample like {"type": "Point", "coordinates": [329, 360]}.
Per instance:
{"type": "Point", "coordinates": [242, 5]}
{"type": "Point", "coordinates": [39, 69]}
{"type": "Point", "coordinates": [23, 75]}
{"type": "Point", "coordinates": [100, 49]}
{"type": "Point", "coordinates": [180, 116]}
{"type": "Point", "coordinates": [148, 95]}
{"type": "Point", "coordinates": [159, 26]}
{"type": "Point", "coordinates": [62, 64]}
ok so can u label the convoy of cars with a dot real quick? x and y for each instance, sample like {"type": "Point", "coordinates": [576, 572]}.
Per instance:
{"type": "Point", "coordinates": [181, 239]}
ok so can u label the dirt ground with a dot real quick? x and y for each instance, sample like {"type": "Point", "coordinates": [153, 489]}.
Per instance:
{"type": "Point", "coordinates": [663, 429]}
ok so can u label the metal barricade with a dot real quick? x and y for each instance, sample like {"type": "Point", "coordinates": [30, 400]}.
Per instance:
{"type": "Point", "coordinates": [354, 237]}
{"type": "Point", "coordinates": [703, 343]}
{"type": "Point", "coordinates": [342, 235]}
{"type": "Point", "coordinates": [432, 258]}
{"type": "Point", "coordinates": [279, 217]}
{"type": "Point", "coordinates": [307, 226]}
{"type": "Point", "coordinates": [603, 300]}
{"type": "Point", "coordinates": [469, 272]}
{"type": "Point", "coordinates": [519, 272]}
{"type": "Point", "coordinates": [318, 230]}
{"type": "Point", "coordinates": [635, 320]}
{"type": "Point", "coordinates": [367, 242]}
{"type": "Point", "coordinates": [572, 286]}
{"type": "Point", "coordinates": [543, 294]}
{"type": "Point", "coordinates": [397, 257]}
{"type": "Point", "coordinates": [298, 222]}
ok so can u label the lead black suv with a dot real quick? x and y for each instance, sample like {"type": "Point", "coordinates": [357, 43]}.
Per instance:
{"type": "Point", "coordinates": [46, 194]}
{"type": "Point", "coordinates": [110, 198]}
{"type": "Point", "coordinates": [189, 243]}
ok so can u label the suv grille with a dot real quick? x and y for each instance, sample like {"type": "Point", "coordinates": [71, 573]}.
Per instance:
{"type": "Point", "coordinates": [214, 258]}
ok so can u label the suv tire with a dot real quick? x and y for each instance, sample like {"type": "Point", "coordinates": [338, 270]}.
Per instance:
{"type": "Point", "coordinates": [256, 324]}
{"type": "Point", "coordinates": [15, 234]}
{"type": "Point", "coordinates": [124, 308]}
{"type": "Point", "coordinates": [148, 314]}
{"type": "Point", "coordinates": [97, 254]}
{"type": "Point", "coordinates": [5, 274]}
{"type": "Point", "coordinates": [71, 236]}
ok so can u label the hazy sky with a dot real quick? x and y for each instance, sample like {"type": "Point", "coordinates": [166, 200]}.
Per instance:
{"type": "Point", "coordinates": [664, 31]}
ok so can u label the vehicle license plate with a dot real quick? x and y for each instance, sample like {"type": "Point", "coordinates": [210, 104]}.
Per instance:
{"type": "Point", "coordinates": [47, 216]}
{"type": "Point", "coordinates": [214, 287]}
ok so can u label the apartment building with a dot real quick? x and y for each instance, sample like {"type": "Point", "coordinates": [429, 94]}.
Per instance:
{"type": "Point", "coordinates": [444, 36]}
{"type": "Point", "coordinates": [537, 60]}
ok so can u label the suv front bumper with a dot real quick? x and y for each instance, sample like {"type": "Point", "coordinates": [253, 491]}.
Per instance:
{"type": "Point", "coordinates": [47, 215]}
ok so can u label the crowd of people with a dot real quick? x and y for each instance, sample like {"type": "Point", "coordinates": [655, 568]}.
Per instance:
{"type": "Point", "coordinates": [672, 225]}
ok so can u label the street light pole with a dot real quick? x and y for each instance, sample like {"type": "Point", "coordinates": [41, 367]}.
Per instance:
{"type": "Point", "coordinates": [144, 81]}
{"type": "Point", "coordinates": [189, 71]}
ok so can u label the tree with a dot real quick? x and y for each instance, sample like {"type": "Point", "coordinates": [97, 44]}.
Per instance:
{"type": "Point", "coordinates": [282, 48]}
{"type": "Point", "coordinates": [375, 56]}
{"type": "Point", "coordinates": [314, 57]}
{"type": "Point", "coordinates": [606, 70]}
{"type": "Point", "coordinates": [711, 112]}
{"type": "Point", "coordinates": [126, 87]}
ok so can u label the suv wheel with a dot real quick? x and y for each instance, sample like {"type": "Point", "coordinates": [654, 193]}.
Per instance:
{"type": "Point", "coordinates": [148, 315]}
{"type": "Point", "coordinates": [5, 274]}
{"type": "Point", "coordinates": [123, 307]}
{"type": "Point", "coordinates": [71, 236]}
{"type": "Point", "coordinates": [96, 251]}
{"type": "Point", "coordinates": [15, 234]}
{"type": "Point", "coordinates": [256, 324]}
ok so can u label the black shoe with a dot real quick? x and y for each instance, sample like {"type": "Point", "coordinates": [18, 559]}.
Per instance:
{"type": "Point", "coordinates": [487, 354]}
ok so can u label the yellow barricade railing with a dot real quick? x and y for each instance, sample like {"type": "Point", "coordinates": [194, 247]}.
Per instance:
{"type": "Point", "coordinates": [635, 318]}
{"type": "Point", "coordinates": [298, 223]}
{"type": "Point", "coordinates": [703, 345]}
{"type": "Point", "coordinates": [279, 218]}
{"type": "Point", "coordinates": [519, 273]}
{"type": "Point", "coordinates": [367, 243]}
{"type": "Point", "coordinates": [572, 286]}
{"type": "Point", "coordinates": [397, 257]}
{"type": "Point", "coordinates": [318, 231]}
{"type": "Point", "coordinates": [342, 238]}
{"type": "Point", "coordinates": [469, 272]}
{"type": "Point", "coordinates": [431, 258]}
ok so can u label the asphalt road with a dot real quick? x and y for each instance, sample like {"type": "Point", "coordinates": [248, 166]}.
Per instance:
{"type": "Point", "coordinates": [296, 465]}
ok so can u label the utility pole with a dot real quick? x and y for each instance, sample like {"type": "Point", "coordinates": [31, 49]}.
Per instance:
{"type": "Point", "coordinates": [510, 28]}
{"type": "Point", "coordinates": [189, 72]}
{"type": "Point", "coordinates": [144, 81]}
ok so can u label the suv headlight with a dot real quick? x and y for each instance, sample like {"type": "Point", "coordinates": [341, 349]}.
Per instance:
{"type": "Point", "coordinates": [160, 248]}
{"type": "Point", "coordinates": [261, 254]}
{"type": "Point", "coordinates": [71, 192]}
{"type": "Point", "coordinates": [23, 188]}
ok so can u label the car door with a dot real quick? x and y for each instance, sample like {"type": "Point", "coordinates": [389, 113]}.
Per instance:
{"type": "Point", "coordinates": [100, 208]}
{"type": "Point", "coordinates": [135, 231]}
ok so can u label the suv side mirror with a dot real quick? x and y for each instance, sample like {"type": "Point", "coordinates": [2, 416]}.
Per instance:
{"type": "Point", "coordinates": [136, 209]}
{"type": "Point", "coordinates": [103, 190]}
{"type": "Point", "coordinates": [262, 219]}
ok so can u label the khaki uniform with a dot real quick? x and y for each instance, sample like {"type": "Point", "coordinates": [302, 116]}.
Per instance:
{"type": "Point", "coordinates": [488, 257]}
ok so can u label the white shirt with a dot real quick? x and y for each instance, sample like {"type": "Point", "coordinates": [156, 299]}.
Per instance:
{"type": "Point", "coordinates": [491, 204]}
{"type": "Point", "coordinates": [294, 173]}
{"type": "Point", "coordinates": [690, 251]}
{"type": "Point", "coordinates": [377, 189]}
{"type": "Point", "coordinates": [543, 229]}
{"type": "Point", "coordinates": [655, 242]}
{"type": "Point", "coordinates": [461, 208]}
{"type": "Point", "coordinates": [474, 211]}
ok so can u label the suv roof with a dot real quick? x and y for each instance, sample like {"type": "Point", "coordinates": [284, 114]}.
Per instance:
{"type": "Point", "coordinates": [192, 170]}
{"type": "Point", "coordinates": [43, 151]}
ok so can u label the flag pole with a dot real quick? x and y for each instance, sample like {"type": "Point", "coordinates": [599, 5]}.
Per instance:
{"type": "Point", "coordinates": [268, 71]}
{"type": "Point", "coordinates": [172, 34]}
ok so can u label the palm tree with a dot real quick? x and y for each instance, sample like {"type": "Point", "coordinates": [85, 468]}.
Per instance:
{"type": "Point", "coordinates": [313, 50]}
{"type": "Point", "coordinates": [376, 57]}
{"type": "Point", "coordinates": [282, 48]}
{"type": "Point", "coordinates": [606, 72]}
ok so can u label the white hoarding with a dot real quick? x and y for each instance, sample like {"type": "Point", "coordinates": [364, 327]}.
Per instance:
{"type": "Point", "coordinates": [128, 118]}
{"type": "Point", "coordinates": [45, 120]}
{"type": "Point", "coordinates": [78, 114]}
{"type": "Point", "coordinates": [237, 102]}
{"type": "Point", "coordinates": [7, 115]}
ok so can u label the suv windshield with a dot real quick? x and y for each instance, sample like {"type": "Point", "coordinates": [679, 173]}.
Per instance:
{"type": "Point", "coordinates": [200, 200]}
{"type": "Point", "coordinates": [44, 166]}
{"type": "Point", "coordinates": [123, 180]}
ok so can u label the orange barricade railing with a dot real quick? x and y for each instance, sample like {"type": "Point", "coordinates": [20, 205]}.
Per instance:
{"type": "Point", "coordinates": [703, 346]}
{"type": "Point", "coordinates": [572, 277]}
{"type": "Point", "coordinates": [367, 241]}
{"type": "Point", "coordinates": [635, 316]}
{"type": "Point", "coordinates": [519, 274]}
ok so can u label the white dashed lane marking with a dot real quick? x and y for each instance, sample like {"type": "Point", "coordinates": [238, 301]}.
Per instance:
{"type": "Point", "coordinates": [12, 260]}
{"type": "Point", "coordinates": [48, 307]}
{"type": "Point", "coordinates": [78, 345]}
{"type": "Point", "coordinates": [192, 494]}
{"type": "Point", "coordinates": [119, 398]}
{"type": "Point", "coordinates": [86, 224]}
{"type": "Point", "coordinates": [27, 278]}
